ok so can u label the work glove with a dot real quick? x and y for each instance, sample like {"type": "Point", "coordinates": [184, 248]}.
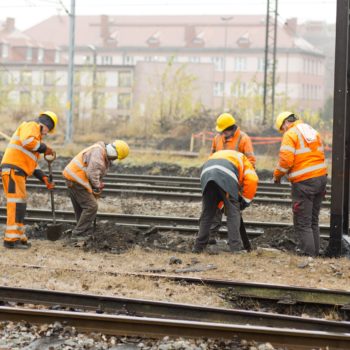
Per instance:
{"type": "Point", "coordinates": [276, 180]}
{"type": "Point", "coordinates": [96, 193]}
{"type": "Point", "coordinates": [49, 185]}
{"type": "Point", "coordinates": [243, 204]}
{"type": "Point", "coordinates": [49, 151]}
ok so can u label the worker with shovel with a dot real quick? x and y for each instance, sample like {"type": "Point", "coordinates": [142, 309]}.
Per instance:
{"type": "Point", "coordinates": [227, 176]}
{"type": "Point", "coordinates": [84, 176]}
{"type": "Point", "coordinates": [20, 160]}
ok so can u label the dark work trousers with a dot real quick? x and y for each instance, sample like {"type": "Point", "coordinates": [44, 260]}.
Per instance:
{"type": "Point", "coordinates": [216, 223]}
{"type": "Point", "coordinates": [212, 195]}
{"type": "Point", "coordinates": [306, 203]}
{"type": "Point", "coordinates": [85, 207]}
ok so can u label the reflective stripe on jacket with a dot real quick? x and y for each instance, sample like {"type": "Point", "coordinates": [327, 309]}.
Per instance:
{"type": "Point", "coordinates": [240, 142]}
{"type": "Point", "coordinates": [298, 159]}
{"type": "Point", "coordinates": [233, 172]}
{"type": "Point", "coordinates": [22, 149]}
{"type": "Point", "coordinates": [79, 168]}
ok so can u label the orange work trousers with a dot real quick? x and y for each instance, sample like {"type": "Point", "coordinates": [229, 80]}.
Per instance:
{"type": "Point", "coordinates": [14, 184]}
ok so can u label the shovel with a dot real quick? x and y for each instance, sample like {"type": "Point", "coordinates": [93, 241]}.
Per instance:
{"type": "Point", "coordinates": [53, 231]}
{"type": "Point", "coordinates": [244, 236]}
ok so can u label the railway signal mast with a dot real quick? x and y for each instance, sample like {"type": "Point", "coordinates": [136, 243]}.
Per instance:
{"type": "Point", "coordinates": [339, 225]}
{"type": "Point", "coordinates": [270, 61]}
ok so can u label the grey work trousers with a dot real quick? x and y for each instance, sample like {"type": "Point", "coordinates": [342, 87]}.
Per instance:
{"type": "Point", "coordinates": [307, 197]}
{"type": "Point", "coordinates": [85, 207]}
{"type": "Point", "coordinates": [212, 195]}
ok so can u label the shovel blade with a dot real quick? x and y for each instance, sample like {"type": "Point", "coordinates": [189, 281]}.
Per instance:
{"type": "Point", "coordinates": [53, 232]}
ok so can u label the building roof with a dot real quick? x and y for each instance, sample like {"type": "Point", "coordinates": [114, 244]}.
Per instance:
{"type": "Point", "coordinates": [207, 32]}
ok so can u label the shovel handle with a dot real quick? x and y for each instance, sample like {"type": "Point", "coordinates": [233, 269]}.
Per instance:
{"type": "Point", "coordinates": [50, 157]}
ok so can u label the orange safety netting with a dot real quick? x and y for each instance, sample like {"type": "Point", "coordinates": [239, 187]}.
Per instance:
{"type": "Point", "coordinates": [256, 140]}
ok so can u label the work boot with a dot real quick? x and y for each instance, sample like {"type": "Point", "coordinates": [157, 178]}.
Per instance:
{"type": "Point", "coordinates": [17, 244]}
{"type": "Point", "coordinates": [237, 251]}
{"type": "Point", "coordinates": [197, 250]}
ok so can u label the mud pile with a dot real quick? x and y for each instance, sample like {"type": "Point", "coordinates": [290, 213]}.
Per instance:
{"type": "Point", "coordinates": [284, 239]}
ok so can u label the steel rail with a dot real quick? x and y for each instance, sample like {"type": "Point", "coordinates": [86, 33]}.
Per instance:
{"type": "Point", "coordinates": [283, 294]}
{"type": "Point", "coordinates": [183, 196]}
{"type": "Point", "coordinates": [154, 327]}
{"type": "Point", "coordinates": [170, 222]}
{"type": "Point", "coordinates": [158, 309]}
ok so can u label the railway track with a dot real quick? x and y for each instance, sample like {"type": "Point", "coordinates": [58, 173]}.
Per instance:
{"type": "Point", "coordinates": [155, 327]}
{"type": "Point", "coordinates": [161, 223]}
{"type": "Point", "coordinates": [266, 194]}
{"type": "Point", "coordinates": [147, 308]}
{"type": "Point", "coordinates": [160, 318]}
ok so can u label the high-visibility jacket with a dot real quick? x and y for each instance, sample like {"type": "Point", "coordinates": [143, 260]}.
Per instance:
{"type": "Point", "coordinates": [23, 150]}
{"type": "Point", "coordinates": [77, 169]}
{"type": "Point", "coordinates": [240, 142]}
{"type": "Point", "coordinates": [300, 159]}
{"type": "Point", "coordinates": [233, 172]}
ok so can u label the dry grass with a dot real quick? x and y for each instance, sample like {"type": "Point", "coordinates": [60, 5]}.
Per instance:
{"type": "Point", "coordinates": [71, 269]}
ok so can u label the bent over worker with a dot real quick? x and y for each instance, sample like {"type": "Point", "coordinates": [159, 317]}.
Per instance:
{"type": "Point", "coordinates": [19, 161]}
{"type": "Point", "coordinates": [230, 137]}
{"type": "Point", "coordinates": [302, 160]}
{"type": "Point", "coordinates": [227, 176]}
{"type": "Point", "coordinates": [84, 176]}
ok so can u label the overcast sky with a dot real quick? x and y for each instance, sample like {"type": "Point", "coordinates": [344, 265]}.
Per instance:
{"type": "Point", "coordinates": [29, 12]}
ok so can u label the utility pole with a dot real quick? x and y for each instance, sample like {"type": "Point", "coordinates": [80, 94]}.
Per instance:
{"type": "Point", "coordinates": [94, 80]}
{"type": "Point", "coordinates": [225, 19]}
{"type": "Point", "coordinates": [70, 99]}
{"type": "Point", "coordinates": [270, 60]}
{"type": "Point", "coordinates": [339, 224]}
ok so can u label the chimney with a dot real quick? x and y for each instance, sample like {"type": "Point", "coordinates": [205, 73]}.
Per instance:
{"type": "Point", "coordinates": [291, 25]}
{"type": "Point", "coordinates": [10, 24]}
{"type": "Point", "coordinates": [190, 34]}
{"type": "Point", "coordinates": [104, 27]}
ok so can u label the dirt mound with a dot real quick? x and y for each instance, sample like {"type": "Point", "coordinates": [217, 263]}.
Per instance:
{"type": "Point", "coordinates": [113, 238]}
{"type": "Point", "coordinates": [284, 239]}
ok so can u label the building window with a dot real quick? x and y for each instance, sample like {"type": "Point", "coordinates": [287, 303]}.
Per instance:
{"type": "Point", "coordinates": [29, 54]}
{"type": "Point", "coordinates": [76, 78]}
{"type": "Point", "coordinates": [101, 100]}
{"type": "Point", "coordinates": [194, 59]}
{"type": "Point", "coordinates": [40, 54]}
{"type": "Point", "coordinates": [128, 60]}
{"type": "Point", "coordinates": [218, 63]}
{"type": "Point", "coordinates": [4, 51]}
{"type": "Point", "coordinates": [124, 101]}
{"type": "Point", "coordinates": [57, 56]}
{"type": "Point", "coordinates": [106, 60]}
{"type": "Point", "coordinates": [49, 77]}
{"type": "Point", "coordinates": [218, 89]}
{"type": "Point", "coordinates": [238, 89]}
{"type": "Point", "coordinates": [101, 78]}
{"type": "Point", "coordinates": [125, 79]}
{"type": "Point", "coordinates": [24, 98]}
{"type": "Point", "coordinates": [261, 64]}
{"type": "Point", "coordinates": [240, 64]}
{"type": "Point", "coordinates": [26, 78]}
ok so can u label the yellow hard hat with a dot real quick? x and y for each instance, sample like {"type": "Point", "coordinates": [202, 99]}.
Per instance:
{"type": "Point", "coordinates": [224, 121]}
{"type": "Point", "coordinates": [53, 117]}
{"type": "Point", "coordinates": [122, 149]}
{"type": "Point", "coordinates": [281, 118]}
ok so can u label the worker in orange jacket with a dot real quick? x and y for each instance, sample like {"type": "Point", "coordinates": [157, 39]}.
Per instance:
{"type": "Point", "coordinates": [229, 137]}
{"type": "Point", "coordinates": [302, 160]}
{"type": "Point", "coordinates": [227, 176]}
{"type": "Point", "coordinates": [84, 176]}
{"type": "Point", "coordinates": [20, 160]}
